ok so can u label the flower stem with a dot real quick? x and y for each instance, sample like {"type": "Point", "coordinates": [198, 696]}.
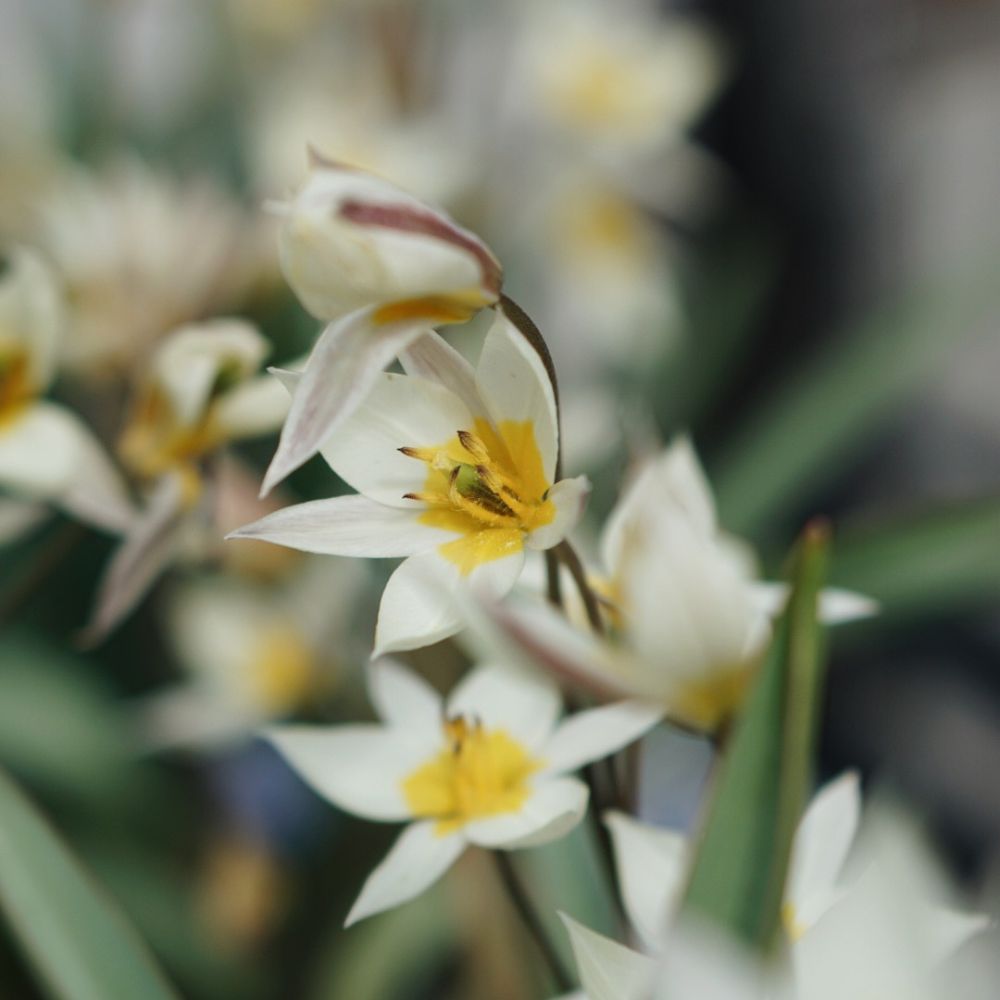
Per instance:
{"type": "Point", "coordinates": [526, 911]}
{"type": "Point", "coordinates": [568, 556]}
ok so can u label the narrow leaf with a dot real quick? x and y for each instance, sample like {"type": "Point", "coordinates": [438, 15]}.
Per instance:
{"type": "Point", "coordinates": [77, 940]}
{"type": "Point", "coordinates": [738, 875]}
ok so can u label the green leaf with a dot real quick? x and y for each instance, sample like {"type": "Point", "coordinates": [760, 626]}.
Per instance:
{"type": "Point", "coordinates": [797, 442]}
{"type": "Point", "coordinates": [738, 876]}
{"type": "Point", "coordinates": [926, 563]}
{"type": "Point", "coordinates": [78, 942]}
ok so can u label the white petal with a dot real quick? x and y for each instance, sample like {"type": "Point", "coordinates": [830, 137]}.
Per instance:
{"type": "Point", "coordinates": [597, 732]}
{"type": "Point", "coordinates": [514, 385]}
{"type": "Point", "coordinates": [822, 842]}
{"type": "Point", "coordinates": [570, 498]}
{"type": "Point", "coordinates": [403, 698]}
{"type": "Point", "coordinates": [39, 451]}
{"type": "Point", "coordinates": [400, 410]}
{"type": "Point", "coordinates": [836, 606]}
{"type": "Point", "coordinates": [433, 358]}
{"type": "Point", "coordinates": [18, 517]}
{"type": "Point", "coordinates": [32, 312]}
{"type": "Point", "coordinates": [415, 862]}
{"type": "Point", "coordinates": [674, 478]}
{"type": "Point", "coordinates": [149, 547]}
{"type": "Point", "coordinates": [417, 607]}
{"type": "Point", "coordinates": [359, 768]}
{"type": "Point", "coordinates": [346, 526]}
{"type": "Point", "coordinates": [257, 406]}
{"type": "Point", "coordinates": [551, 810]}
{"type": "Point", "coordinates": [524, 703]}
{"type": "Point", "coordinates": [608, 970]}
{"type": "Point", "coordinates": [652, 865]}
{"type": "Point", "coordinates": [341, 370]}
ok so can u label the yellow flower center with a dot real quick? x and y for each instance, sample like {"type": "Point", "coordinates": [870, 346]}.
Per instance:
{"type": "Point", "coordinates": [16, 389]}
{"type": "Point", "coordinates": [482, 772]}
{"type": "Point", "coordinates": [488, 486]}
{"type": "Point", "coordinates": [281, 673]}
{"type": "Point", "coordinates": [708, 702]}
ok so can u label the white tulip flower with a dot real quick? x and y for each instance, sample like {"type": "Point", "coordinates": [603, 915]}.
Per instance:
{"type": "Point", "coordinates": [486, 767]}
{"type": "Point", "coordinates": [686, 619]}
{"type": "Point", "coordinates": [454, 470]}
{"type": "Point", "coordinates": [382, 268]}
{"type": "Point", "coordinates": [47, 454]}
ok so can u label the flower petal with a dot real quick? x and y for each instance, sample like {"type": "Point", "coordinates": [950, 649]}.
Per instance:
{"type": "Point", "coordinates": [652, 865]}
{"type": "Point", "coordinates": [551, 810]}
{"type": "Point", "coordinates": [608, 970]}
{"type": "Point", "coordinates": [403, 698]}
{"type": "Point", "coordinates": [359, 768]}
{"type": "Point", "coordinates": [18, 517]}
{"type": "Point", "coordinates": [39, 451]}
{"type": "Point", "coordinates": [418, 608]}
{"type": "Point", "coordinates": [341, 370]}
{"type": "Point", "coordinates": [255, 407]}
{"type": "Point", "coordinates": [32, 311]}
{"type": "Point", "coordinates": [151, 544]}
{"type": "Point", "coordinates": [823, 839]}
{"type": "Point", "coordinates": [400, 411]}
{"type": "Point", "coordinates": [514, 385]}
{"type": "Point", "coordinates": [570, 498]}
{"type": "Point", "coordinates": [836, 606]}
{"type": "Point", "coordinates": [433, 358]}
{"type": "Point", "coordinates": [524, 703]}
{"type": "Point", "coordinates": [597, 732]}
{"type": "Point", "coordinates": [416, 861]}
{"type": "Point", "coordinates": [346, 526]}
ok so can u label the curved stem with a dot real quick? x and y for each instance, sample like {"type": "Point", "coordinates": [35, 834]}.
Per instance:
{"type": "Point", "coordinates": [526, 911]}
{"type": "Point", "coordinates": [568, 556]}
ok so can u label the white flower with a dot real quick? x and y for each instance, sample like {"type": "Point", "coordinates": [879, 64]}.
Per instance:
{"type": "Point", "coordinates": [383, 268]}
{"type": "Point", "coordinates": [454, 471]}
{"type": "Point", "coordinates": [686, 618]}
{"type": "Point", "coordinates": [46, 452]}
{"type": "Point", "coordinates": [487, 767]}
{"type": "Point", "coordinates": [876, 936]}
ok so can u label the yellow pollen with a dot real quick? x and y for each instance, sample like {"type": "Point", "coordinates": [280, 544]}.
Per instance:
{"type": "Point", "coordinates": [433, 308]}
{"type": "Point", "coordinates": [482, 772]}
{"type": "Point", "coordinates": [16, 389]}
{"type": "Point", "coordinates": [488, 486]}
{"type": "Point", "coordinates": [281, 673]}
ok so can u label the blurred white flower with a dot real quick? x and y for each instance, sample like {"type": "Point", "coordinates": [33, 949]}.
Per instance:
{"type": "Point", "coordinates": [141, 252]}
{"type": "Point", "coordinates": [46, 452]}
{"type": "Point", "coordinates": [455, 470]}
{"type": "Point", "coordinates": [487, 767]}
{"type": "Point", "coordinates": [686, 619]}
{"type": "Point", "coordinates": [382, 267]}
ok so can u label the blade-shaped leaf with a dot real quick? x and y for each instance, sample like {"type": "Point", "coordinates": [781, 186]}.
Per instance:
{"type": "Point", "coordinates": [80, 945]}
{"type": "Point", "coordinates": [738, 876]}
{"type": "Point", "coordinates": [798, 440]}
{"type": "Point", "coordinates": [935, 561]}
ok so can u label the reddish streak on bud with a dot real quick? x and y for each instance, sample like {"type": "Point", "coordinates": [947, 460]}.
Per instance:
{"type": "Point", "coordinates": [408, 219]}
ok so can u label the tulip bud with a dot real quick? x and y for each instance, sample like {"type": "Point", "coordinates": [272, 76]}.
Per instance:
{"type": "Point", "coordinates": [352, 240]}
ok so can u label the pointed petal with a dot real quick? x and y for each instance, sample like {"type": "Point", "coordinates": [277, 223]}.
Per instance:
{"type": "Point", "coordinates": [39, 451]}
{"type": "Point", "coordinates": [836, 606]}
{"type": "Point", "coordinates": [433, 358]}
{"type": "Point", "coordinates": [608, 970]}
{"type": "Point", "coordinates": [400, 411]}
{"type": "Point", "coordinates": [346, 526]}
{"type": "Point", "coordinates": [341, 370]}
{"type": "Point", "coordinates": [417, 606]}
{"type": "Point", "coordinates": [514, 385]}
{"type": "Point", "coordinates": [32, 312]}
{"type": "Point", "coordinates": [552, 809]}
{"type": "Point", "coordinates": [822, 842]}
{"type": "Point", "coordinates": [416, 861]}
{"type": "Point", "coordinates": [524, 703]}
{"type": "Point", "coordinates": [148, 548]}
{"type": "Point", "coordinates": [597, 732]}
{"type": "Point", "coordinates": [570, 498]}
{"type": "Point", "coordinates": [359, 768]}
{"type": "Point", "coordinates": [652, 865]}
{"type": "Point", "coordinates": [403, 698]}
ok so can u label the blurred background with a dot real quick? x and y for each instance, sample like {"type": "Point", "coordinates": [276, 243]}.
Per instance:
{"type": "Point", "coordinates": [774, 225]}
